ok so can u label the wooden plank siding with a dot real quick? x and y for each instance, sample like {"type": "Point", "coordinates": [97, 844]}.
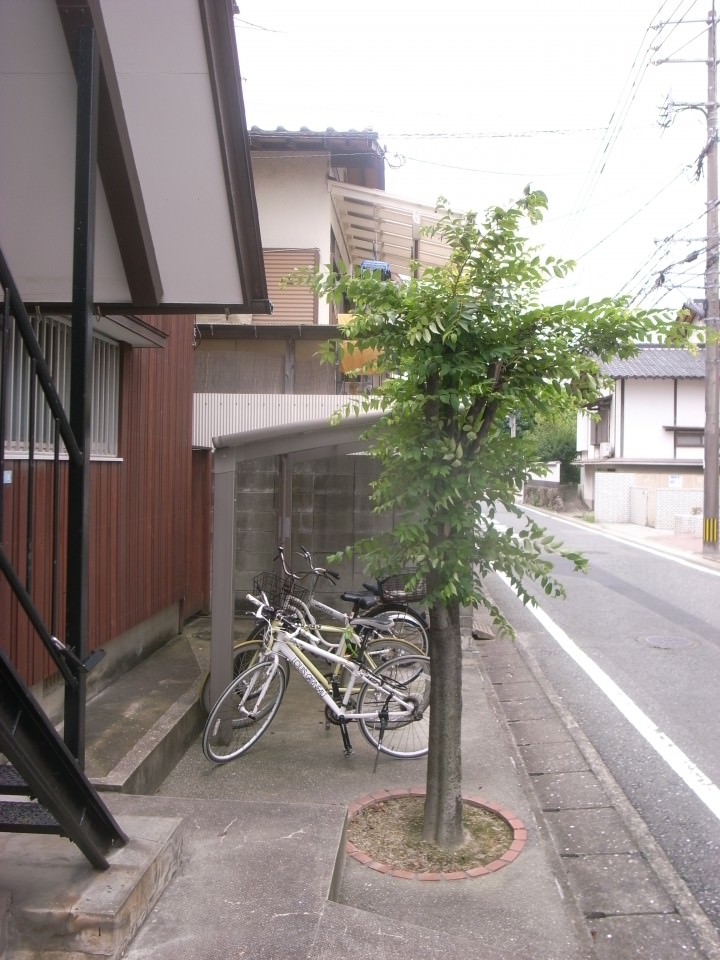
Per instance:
{"type": "Point", "coordinates": [291, 304]}
{"type": "Point", "coordinates": [141, 508]}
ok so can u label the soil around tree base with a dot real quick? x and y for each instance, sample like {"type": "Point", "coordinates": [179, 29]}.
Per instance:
{"type": "Point", "coordinates": [384, 832]}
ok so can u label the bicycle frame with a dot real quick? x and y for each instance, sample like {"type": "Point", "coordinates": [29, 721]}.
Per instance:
{"type": "Point", "coordinates": [293, 648]}
{"type": "Point", "coordinates": [307, 608]}
{"type": "Point", "coordinates": [387, 699]}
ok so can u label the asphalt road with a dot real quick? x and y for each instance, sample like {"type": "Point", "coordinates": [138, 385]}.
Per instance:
{"type": "Point", "coordinates": [633, 653]}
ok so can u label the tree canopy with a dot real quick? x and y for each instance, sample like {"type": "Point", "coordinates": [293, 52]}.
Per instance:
{"type": "Point", "coordinates": [462, 347]}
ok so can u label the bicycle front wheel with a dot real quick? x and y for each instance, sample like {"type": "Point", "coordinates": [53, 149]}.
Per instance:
{"type": "Point", "coordinates": [245, 654]}
{"type": "Point", "coordinates": [391, 728]}
{"type": "Point", "coordinates": [244, 711]}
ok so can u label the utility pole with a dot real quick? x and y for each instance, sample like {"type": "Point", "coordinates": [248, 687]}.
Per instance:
{"type": "Point", "coordinates": [712, 321]}
{"type": "Point", "coordinates": [711, 506]}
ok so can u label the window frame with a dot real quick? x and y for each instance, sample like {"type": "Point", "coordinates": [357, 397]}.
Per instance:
{"type": "Point", "coordinates": [54, 335]}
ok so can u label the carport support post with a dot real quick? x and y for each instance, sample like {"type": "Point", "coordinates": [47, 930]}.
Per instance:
{"type": "Point", "coordinates": [223, 571]}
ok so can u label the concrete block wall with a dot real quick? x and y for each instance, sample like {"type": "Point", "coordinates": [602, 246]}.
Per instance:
{"type": "Point", "coordinates": [612, 497]}
{"type": "Point", "coordinates": [331, 509]}
{"type": "Point", "coordinates": [673, 503]}
{"type": "Point", "coordinates": [256, 519]}
{"type": "Point", "coordinates": [648, 499]}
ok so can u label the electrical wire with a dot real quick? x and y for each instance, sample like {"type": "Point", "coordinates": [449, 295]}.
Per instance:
{"type": "Point", "coordinates": [615, 124]}
{"type": "Point", "coordinates": [632, 215]}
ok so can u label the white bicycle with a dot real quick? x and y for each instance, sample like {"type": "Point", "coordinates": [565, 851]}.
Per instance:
{"type": "Point", "coordinates": [390, 704]}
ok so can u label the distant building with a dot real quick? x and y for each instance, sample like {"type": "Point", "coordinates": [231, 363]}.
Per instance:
{"type": "Point", "coordinates": [640, 445]}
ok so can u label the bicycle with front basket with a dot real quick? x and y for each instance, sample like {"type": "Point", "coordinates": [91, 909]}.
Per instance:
{"type": "Point", "coordinates": [390, 704]}
{"type": "Point", "coordinates": [386, 626]}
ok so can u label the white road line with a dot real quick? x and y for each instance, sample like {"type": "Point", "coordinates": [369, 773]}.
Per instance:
{"type": "Point", "coordinates": [668, 554]}
{"type": "Point", "coordinates": [689, 773]}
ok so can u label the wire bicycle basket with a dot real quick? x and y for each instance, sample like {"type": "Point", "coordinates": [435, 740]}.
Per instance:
{"type": "Point", "coordinates": [402, 587]}
{"type": "Point", "coordinates": [279, 588]}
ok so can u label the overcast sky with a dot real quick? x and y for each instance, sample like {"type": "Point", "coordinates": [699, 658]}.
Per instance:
{"type": "Point", "coordinates": [474, 101]}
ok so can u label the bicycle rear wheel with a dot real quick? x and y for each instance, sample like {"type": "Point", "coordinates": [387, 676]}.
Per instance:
{"type": "Point", "coordinates": [392, 730]}
{"type": "Point", "coordinates": [405, 626]}
{"type": "Point", "coordinates": [244, 711]}
{"type": "Point", "coordinates": [381, 649]}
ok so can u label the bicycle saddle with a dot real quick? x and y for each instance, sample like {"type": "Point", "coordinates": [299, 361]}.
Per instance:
{"type": "Point", "coordinates": [364, 600]}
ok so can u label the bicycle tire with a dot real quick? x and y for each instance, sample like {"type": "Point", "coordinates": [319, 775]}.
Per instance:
{"type": "Point", "coordinates": [397, 606]}
{"type": "Point", "coordinates": [401, 736]}
{"type": "Point", "coordinates": [406, 626]}
{"type": "Point", "coordinates": [385, 648]}
{"type": "Point", "coordinates": [245, 654]}
{"type": "Point", "coordinates": [232, 727]}
{"type": "Point", "coordinates": [377, 653]}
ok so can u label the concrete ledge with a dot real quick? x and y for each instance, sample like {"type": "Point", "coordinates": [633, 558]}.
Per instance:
{"type": "Point", "coordinates": [152, 758]}
{"type": "Point", "coordinates": [62, 909]}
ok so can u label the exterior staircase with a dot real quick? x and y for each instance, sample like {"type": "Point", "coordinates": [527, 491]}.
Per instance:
{"type": "Point", "coordinates": [58, 796]}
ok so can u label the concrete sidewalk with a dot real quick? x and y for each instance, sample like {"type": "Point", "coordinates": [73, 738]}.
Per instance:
{"type": "Point", "coordinates": [268, 840]}
{"type": "Point", "coordinates": [253, 859]}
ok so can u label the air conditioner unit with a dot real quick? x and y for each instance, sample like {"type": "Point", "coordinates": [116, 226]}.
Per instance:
{"type": "Point", "coordinates": [606, 450]}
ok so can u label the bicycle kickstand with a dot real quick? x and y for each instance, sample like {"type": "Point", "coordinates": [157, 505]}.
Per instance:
{"type": "Point", "coordinates": [345, 737]}
{"type": "Point", "coordinates": [383, 717]}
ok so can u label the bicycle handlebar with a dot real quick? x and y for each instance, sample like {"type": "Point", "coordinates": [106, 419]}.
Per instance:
{"type": "Point", "coordinates": [318, 571]}
{"type": "Point", "coordinates": [281, 556]}
{"type": "Point", "coordinates": [260, 613]}
{"type": "Point", "coordinates": [305, 553]}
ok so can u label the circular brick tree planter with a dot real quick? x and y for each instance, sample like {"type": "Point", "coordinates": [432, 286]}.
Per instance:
{"type": "Point", "coordinates": [519, 836]}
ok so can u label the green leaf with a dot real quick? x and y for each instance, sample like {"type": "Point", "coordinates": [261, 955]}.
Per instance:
{"type": "Point", "coordinates": [464, 346]}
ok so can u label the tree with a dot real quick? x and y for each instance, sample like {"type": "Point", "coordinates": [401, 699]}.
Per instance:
{"type": "Point", "coordinates": [464, 346]}
{"type": "Point", "coordinates": [554, 437]}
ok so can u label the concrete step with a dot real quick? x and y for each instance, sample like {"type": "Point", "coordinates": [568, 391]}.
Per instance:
{"type": "Point", "coordinates": [137, 727]}
{"type": "Point", "coordinates": [55, 906]}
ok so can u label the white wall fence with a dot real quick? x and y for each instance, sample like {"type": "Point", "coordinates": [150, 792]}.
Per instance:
{"type": "Point", "coordinates": [619, 498]}
{"type": "Point", "coordinates": [223, 414]}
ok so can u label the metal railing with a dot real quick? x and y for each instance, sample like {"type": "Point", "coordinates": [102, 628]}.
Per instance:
{"type": "Point", "coordinates": [17, 561]}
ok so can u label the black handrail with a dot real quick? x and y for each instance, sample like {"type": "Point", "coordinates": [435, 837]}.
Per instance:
{"type": "Point", "coordinates": [69, 665]}
{"type": "Point", "coordinates": [19, 313]}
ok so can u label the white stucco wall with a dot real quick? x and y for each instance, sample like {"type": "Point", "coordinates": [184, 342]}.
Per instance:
{"type": "Point", "coordinates": [691, 403]}
{"type": "Point", "coordinates": [649, 405]}
{"type": "Point", "coordinates": [294, 205]}
{"type": "Point", "coordinates": [582, 438]}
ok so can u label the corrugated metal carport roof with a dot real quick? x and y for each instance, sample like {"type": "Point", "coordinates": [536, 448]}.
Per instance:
{"type": "Point", "coordinates": [312, 438]}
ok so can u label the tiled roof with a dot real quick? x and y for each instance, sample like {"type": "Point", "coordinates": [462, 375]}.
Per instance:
{"type": "Point", "coordinates": [358, 152]}
{"type": "Point", "coordinates": [658, 362]}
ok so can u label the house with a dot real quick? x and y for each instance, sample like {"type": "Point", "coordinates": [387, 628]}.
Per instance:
{"type": "Point", "coordinates": [321, 201]}
{"type": "Point", "coordinates": [640, 446]}
{"type": "Point", "coordinates": [112, 242]}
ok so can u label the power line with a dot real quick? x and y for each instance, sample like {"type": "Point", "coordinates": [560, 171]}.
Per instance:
{"type": "Point", "coordinates": [633, 215]}
{"type": "Point", "coordinates": [615, 124]}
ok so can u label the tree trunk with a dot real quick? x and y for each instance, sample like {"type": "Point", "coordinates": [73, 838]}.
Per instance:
{"type": "Point", "coordinates": [443, 803]}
